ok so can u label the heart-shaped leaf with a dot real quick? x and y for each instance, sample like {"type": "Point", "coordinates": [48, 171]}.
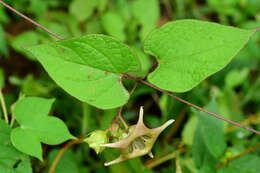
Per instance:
{"type": "Point", "coordinates": [36, 127]}
{"type": "Point", "coordinates": [188, 51]}
{"type": "Point", "coordinates": [89, 68]}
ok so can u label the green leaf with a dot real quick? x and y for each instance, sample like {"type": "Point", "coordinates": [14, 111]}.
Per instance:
{"type": "Point", "coordinates": [212, 131]}
{"type": "Point", "coordinates": [89, 68]}
{"type": "Point", "coordinates": [114, 25]}
{"type": "Point", "coordinates": [36, 127]}
{"type": "Point", "coordinates": [188, 51]}
{"type": "Point", "coordinates": [11, 160]}
{"type": "Point", "coordinates": [83, 9]}
{"type": "Point", "coordinates": [148, 13]}
{"type": "Point", "coordinates": [236, 77]}
{"type": "Point", "coordinates": [3, 17]}
{"type": "Point", "coordinates": [189, 129]}
{"type": "Point", "coordinates": [202, 157]}
{"type": "Point", "coordinates": [246, 164]}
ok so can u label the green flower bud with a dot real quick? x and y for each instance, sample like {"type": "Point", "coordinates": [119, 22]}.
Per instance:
{"type": "Point", "coordinates": [95, 138]}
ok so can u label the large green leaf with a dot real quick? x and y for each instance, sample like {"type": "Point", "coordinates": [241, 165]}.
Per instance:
{"type": "Point", "coordinates": [89, 68]}
{"type": "Point", "coordinates": [11, 160]}
{"type": "Point", "coordinates": [188, 51]}
{"type": "Point", "coordinates": [36, 127]}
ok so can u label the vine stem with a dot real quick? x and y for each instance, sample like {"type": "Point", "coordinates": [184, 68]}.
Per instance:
{"type": "Point", "coordinates": [30, 20]}
{"type": "Point", "coordinates": [140, 80]}
{"type": "Point", "coordinates": [62, 151]}
{"type": "Point", "coordinates": [2, 100]}
{"type": "Point", "coordinates": [119, 114]}
{"type": "Point", "coordinates": [191, 104]}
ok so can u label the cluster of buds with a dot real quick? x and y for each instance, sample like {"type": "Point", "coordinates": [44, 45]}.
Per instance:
{"type": "Point", "coordinates": [136, 141]}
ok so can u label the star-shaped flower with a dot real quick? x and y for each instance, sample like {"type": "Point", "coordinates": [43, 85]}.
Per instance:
{"type": "Point", "coordinates": [139, 142]}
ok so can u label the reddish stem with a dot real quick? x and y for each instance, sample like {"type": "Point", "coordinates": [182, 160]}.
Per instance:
{"type": "Point", "coordinates": [191, 104]}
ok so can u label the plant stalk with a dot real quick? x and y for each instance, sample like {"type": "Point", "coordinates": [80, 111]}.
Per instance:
{"type": "Point", "coordinates": [2, 100]}
{"type": "Point", "coordinates": [191, 104]}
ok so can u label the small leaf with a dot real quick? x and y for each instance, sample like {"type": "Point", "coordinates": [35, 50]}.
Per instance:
{"type": "Point", "coordinates": [189, 130]}
{"type": "Point", "coordinates": [147, 13]}
{"type": "Point", "coordinates": [114, 25]}
{"type": "Point", "coordinates": [188, 51]}
{"type": "Point", "coordinates": [236, 77]}
{"type": "Point", "coordinates": [95, 138]}
{"type": "Point", "coordinates": [83, 9]}
{"type": "Point", "coordinates": [36, 126]}
{"type": "Point", "coordinates": [208, 126]}
{"type": "Point", "coordinates": [89, 68]}
{"type": "Point", "coordinates": [11, 159]}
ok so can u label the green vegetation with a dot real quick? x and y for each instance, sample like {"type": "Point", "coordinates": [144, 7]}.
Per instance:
{"type": "Point", "coordinates": [70, 97]}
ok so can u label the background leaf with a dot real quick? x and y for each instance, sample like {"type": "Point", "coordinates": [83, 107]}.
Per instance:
{"type": "Point", "coordinates": [188, 51]}
{"type": "Point", "coordinates": [147, 13]}
{"type": "Point", "coordinates": [36, 126]}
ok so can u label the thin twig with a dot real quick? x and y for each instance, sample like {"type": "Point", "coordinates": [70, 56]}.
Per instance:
{"type": "Point", "coordinates": [191, 104]}
{"type": "Point", "coordinates": [123, 122]}
{"type": "Point", "coordinates": [2, 100]}
{"type": "Point", "coordinates": [240, 155]}
{"type": "Point", "coordinates": [13, 117]}
{"type": "Point", "coordinates": [30, 20]}
{"type": "Point", "coordinates": [62, 151]}
{"type": "Point", "coordinates": [119, 114]}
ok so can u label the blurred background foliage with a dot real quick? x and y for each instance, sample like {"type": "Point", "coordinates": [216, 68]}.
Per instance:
{"type": "Point", "coordinates": [196, 142]}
